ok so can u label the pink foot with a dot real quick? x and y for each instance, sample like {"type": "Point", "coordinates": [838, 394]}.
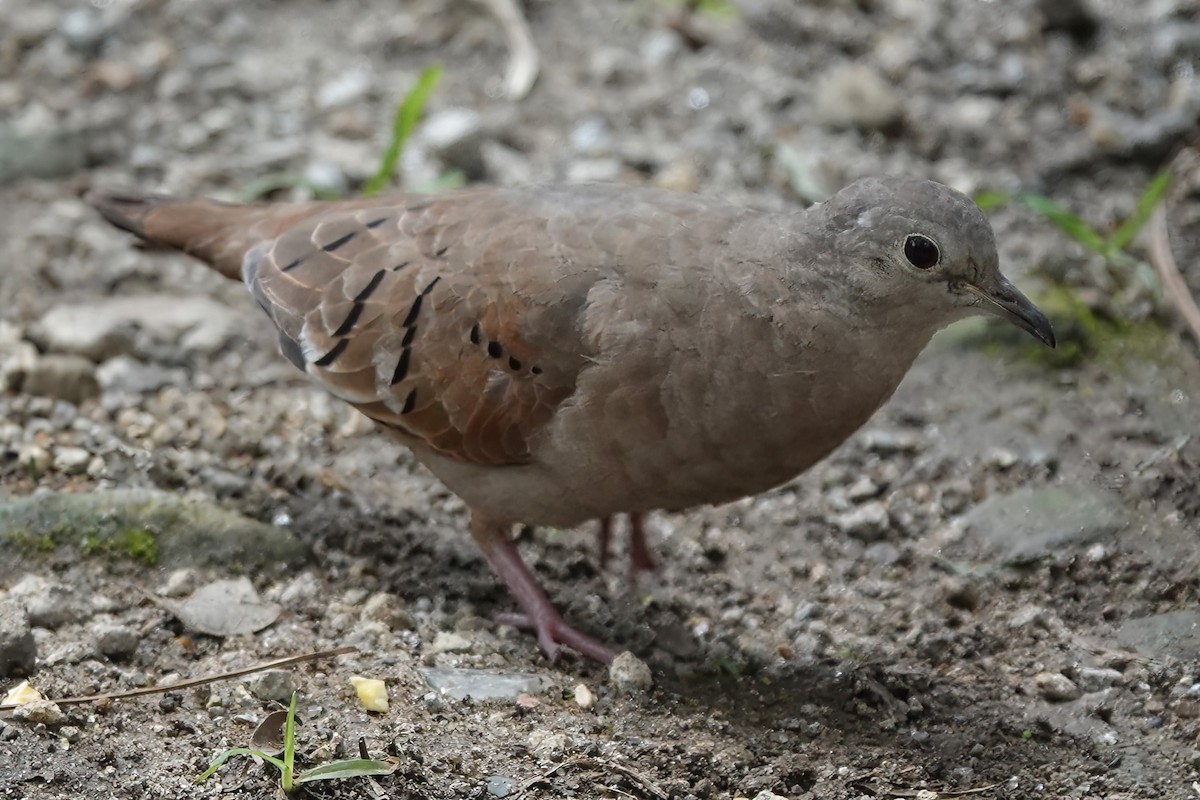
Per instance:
{"type": "Point", "coordinates": [539, 613]}
{"type": "Point", "coordinates": [641, 558]}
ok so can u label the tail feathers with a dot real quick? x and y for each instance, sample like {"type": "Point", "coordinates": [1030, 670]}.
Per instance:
{"type": "Point", "coordinates": [217, 233]}
{"type": "Point", "coordinates": [127, 212]}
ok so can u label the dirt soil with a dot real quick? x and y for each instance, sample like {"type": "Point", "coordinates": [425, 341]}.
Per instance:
{"type": "Point", "coordinates": [991, 591]}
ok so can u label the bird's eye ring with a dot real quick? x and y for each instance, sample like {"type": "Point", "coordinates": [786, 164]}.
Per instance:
{"type": "Point", "coordinates": [921, 251]}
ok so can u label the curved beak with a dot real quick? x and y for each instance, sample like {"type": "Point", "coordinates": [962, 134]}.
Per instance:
{"type": "Point", "coordinates": [1005, 300]}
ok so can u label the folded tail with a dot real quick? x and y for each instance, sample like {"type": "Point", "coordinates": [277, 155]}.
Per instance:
{"type": "Point", "coordinates": [220, 234]}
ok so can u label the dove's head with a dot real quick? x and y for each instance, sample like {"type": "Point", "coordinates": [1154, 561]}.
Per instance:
{"type": "Point", "coordinates": [923, 250]}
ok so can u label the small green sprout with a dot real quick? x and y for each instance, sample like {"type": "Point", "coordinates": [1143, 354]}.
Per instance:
{"type": "Point", "coordinates": [289, 779]}
{"type": "Point", "coordinates": [1114, 247]}
{"type": "Point", "coordinates": [407, 114]}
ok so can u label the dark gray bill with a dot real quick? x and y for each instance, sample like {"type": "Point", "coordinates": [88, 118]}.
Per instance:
{"type": "Point", "coordinates": [1007, 301]}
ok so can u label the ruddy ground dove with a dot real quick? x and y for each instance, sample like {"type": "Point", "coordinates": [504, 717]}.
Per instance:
{"type": "Point", "coordinates": [561, 353]}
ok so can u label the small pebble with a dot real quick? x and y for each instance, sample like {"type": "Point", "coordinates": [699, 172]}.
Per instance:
{"type": "Point", "coordinates": [1056, 687]}
{"type": "Point", "coordinates": [39, 712]}
{"type": "Point", "coordinates": [117, 642]}
{"type": "Point", "coordinates": [584, 698]}
{"type": "Point", "coordinates": [18, 649]}
{"type": "Point", "coordinates": [1094, 679]}
{"type": "Point", "coordinates": [629, 674]}
{"type": "Point", "coordinates": [450, 642]}
{"type": "Point", "coordinates": [273, 684]}
{"type": "Point", "coordinates": [389, 609]}
{"type": "Point", "coordinates": [867, 522]}
{"type": "Point", "coordinates": [549, 745]}
{"type": "Point", "coordinates": [500, 786]}
{"type": "Point", "coordinates": [71, 460]}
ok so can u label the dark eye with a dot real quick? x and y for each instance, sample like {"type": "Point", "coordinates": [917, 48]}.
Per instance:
{"type": "Point", "coordinates": [921, 251]}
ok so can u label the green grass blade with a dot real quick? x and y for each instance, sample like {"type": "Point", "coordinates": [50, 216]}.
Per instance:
{"type": "Point", "coordinates": [1124, 235]}
{"type": "Point", "coordinates": [1065, 221]}
{"type": "Point", "coordinates": [407, 114]}
{"type": "Point", "coordinates": [351, 768]}
{"type": "Point", "coordinates": [990, 200]}
{"type": "Point", "coordinates": [230, 753]}
{"type": "Point", "coordinates": [289, 747]}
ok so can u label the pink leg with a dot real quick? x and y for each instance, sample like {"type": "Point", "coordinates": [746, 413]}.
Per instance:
{"type": "Point", "coordinates": [604, 541]}
{"type": "Point", "coordinates": [641, 558]}
{"type": "Point", "coordinates": [539, 614]}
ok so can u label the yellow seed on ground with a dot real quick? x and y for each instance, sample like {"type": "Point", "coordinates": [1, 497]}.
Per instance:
{"type": "Point", "coordinates": [372, 693]}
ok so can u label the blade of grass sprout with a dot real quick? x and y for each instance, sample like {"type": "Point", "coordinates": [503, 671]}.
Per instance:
{"type": "Point", "coordinates": [349, 768]}
{"type": "Point", "coordinates": [1066, 222]}
{"type": "Point", "coordinates": [289, 746]}
{"type": "Point", "coordinates": [405, 120]}
{"type": "Point", "coordinates": [1128, 231]}
{"type": "Point", "coordinates": [990, 201]}
{"type": "Point", "coordinates": [230, 753]}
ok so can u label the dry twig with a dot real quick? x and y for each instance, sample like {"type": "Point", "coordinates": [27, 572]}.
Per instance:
{"type": "Point", "coordinates": [1164, 264]}
{"type": "Point", "coordinates": [190, 682]}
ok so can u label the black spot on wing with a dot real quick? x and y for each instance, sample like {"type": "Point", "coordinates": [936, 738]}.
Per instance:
{"type": "Point", "coordinates": [371, 286]}
{"type": "Point", "coordinates": [332, 355]}
{"type": "Point", "coordinates": [375, 223]}
{"type": "Point", "coordinates": [336, 243]}
{"type": "Point", "coordinates": [401, 366]}
{"type": "Point", "coordinates": [409, 402]}
{"type": "Point", "coordinates": [495, 349]}
{"type": "Point", "coordinates": [413, 311]}
{"type": "Point", "coordinates": [351, 318]}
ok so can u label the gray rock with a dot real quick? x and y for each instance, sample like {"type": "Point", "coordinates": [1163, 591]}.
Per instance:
{"type": "Point", "coordinates": [47, 155]}
{"type": "Point", "coordinates": [1032, 523]}
{"type": "Point", "coordinates": [347, 88]}
{"type": "Point", "coordinates": [450, 642]}
{"type": "Point", "coordinates": [1056, 687]}
{"type": "Point", "coordinates": [147, 525]}
{"type": "Point", "coordinates": [83, 29]}
{"type": "Point", "coordinates": [62, 376]}
{"type": "Point", "coordinates": [300, 590]}
{"type": "Point", "coordinates": [887, 443]}
{"type": "Point", "coordinates": [273, 684]}
{"type": "Point", "coordinates": [71, 460]}
{"type": "Point", "coordinates": [1095, 679]}
{"type": "Point", "coordinates": [39, 712]}
{"type": "Point", "coordinates": [592, 137]}
{"type": "Point", "coordinates": [629, 674]}
{"type": "Point", "coordinates": [856, 96]}
{"type": "Point", "coordinates": [1175, 634]}
{"type": "Point", "coordinates": [481, 685]}
{"type": "Point", "coordinates": [48, 604]}
{"type": "Point", "coordinates": [868, 522]}
{"type": "Point", "coordinates": [388, 609]}
{"type": "Point", "coordinates": [114, 641]}
{"type": "Point", "coordinates": [18, 650]}
{"type": "Point", "coordinates": [125, 374]}
{"type": "Point", "coordinates": [113, 326]}
{"type": "Point", "coordinates": [500, 786]}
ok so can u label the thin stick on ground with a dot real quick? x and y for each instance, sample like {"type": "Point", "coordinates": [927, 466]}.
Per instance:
{"type": "Point", "coordinates": [190, 682]}
{"type": "Point", "coordinates": [524, 62]}
{"type": "Point", "coordinates": [1163, 261]}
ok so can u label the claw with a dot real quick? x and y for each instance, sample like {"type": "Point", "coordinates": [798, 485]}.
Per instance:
{"type": "Point", "coordinates": [539, 613]}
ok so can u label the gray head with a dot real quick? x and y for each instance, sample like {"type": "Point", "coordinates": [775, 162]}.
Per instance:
{"type": "Point", "coordinates": [924, 250]}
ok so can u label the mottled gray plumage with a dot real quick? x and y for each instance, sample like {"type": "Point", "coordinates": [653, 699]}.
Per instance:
{"type": "Point", "coordinates": [561, 353]}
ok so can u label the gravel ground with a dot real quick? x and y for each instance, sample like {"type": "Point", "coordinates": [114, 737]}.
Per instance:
{"type": "Point", "coordinates": [990, 591]}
